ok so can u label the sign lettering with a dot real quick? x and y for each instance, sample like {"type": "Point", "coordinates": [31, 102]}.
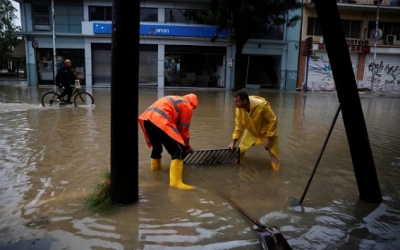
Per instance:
{"type": "Point", "coordinates": [356, 48]}
{"type": "Point", "coordinates": [357, 42]}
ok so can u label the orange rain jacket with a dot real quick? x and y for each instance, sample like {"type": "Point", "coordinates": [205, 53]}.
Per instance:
{"type": "Point", "coordinates": [172, 114]}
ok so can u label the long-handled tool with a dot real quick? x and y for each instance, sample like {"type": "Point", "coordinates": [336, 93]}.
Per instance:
{"type": "Point", "coordinates": [320, 155]}
{"type": "Point", "coordinates": [269, 237]}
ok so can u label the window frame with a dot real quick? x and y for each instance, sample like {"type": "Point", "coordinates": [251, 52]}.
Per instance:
{"type": "Point", "coordinates": [353, 30]}
{"type": "Point", "coordinates": [41, 21]}
{"type": "Point", "coordinates": [105, 14]}
{"type": "Point", "coordinates": [192, 19]}
{"type": "Point", "coordinates": [147, 13]}
{"type": "Point", "coordinates": [388, 28]}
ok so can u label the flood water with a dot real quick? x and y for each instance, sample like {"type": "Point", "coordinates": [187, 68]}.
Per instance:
{"type": "Point", "coordinates": [52, 158]}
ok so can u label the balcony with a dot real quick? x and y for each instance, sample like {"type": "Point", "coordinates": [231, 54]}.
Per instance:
{"type": "Point", "coordinates": [363, 2]}
{"type": "Point", "coordinates": [386, 6]}
{"type": "Point", "coordinates": [372, 2]}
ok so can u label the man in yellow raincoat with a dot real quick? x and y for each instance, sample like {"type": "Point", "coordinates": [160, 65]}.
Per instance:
{"type": "Point", "coordinates": [255, 117]}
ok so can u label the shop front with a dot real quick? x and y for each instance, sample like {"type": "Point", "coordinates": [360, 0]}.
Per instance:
{"type": "Point", "coordinates": [196, 66]}
{"type": "Point", "coordinates": [386, 70]}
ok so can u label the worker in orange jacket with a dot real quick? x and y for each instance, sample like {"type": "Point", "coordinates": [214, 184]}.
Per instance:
{"type": "Point", "coordinates": [166, 122]}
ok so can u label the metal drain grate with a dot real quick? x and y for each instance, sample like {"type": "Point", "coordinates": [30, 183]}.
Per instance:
{"type": "Point", "coordinates": [214, 156]}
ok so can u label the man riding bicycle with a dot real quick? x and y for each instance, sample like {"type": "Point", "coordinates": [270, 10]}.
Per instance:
{"type": "Point", "coordinates": [63, 78]}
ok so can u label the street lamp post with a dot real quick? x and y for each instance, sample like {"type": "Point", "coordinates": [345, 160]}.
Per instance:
{"type": "Point", "coordinates": [375, 42]}
{"type": "Point", "coordinates": [54, 42]}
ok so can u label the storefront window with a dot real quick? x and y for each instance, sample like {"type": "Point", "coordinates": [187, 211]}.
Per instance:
{"type": "Point", "coordinates": [194, 69]}
{"type": "Point", "coordinates": [172, 68]}
{"type": "Point", "coordinates": [45, 63]}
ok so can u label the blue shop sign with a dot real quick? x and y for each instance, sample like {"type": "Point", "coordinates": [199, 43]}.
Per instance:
{"type": "Point", "coordinates": [102, 28]}
{"type": "Point", "coordinates": [164, 30]}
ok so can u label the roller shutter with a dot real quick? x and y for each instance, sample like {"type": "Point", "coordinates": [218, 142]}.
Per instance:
{"type": "Point", "coordinates": [101, 67]}
{"type": "Point", "coordinates": [320, 75]}
{"type": "Point", "coordinates": [387, 72]}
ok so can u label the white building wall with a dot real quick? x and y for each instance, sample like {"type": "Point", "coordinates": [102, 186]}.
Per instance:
{"type": "Point", "coordinates": [160, 65]}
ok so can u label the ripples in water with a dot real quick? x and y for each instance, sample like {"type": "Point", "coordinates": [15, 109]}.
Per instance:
{"type": "Point", "coordinates": [51, 159]}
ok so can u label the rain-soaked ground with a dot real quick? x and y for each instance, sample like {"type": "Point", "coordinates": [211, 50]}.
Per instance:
{"type": "Point", "coordinates": [51, 159]}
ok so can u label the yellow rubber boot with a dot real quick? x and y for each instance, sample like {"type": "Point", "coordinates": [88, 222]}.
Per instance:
{"type": "Point", "coordinates": [242, 153]}
{"type": "Point", "coordinates": [155, 164]}
{"type": "Point", "coordinates": [175, 175]}
{"type": "Point", "coordinates": [275, 165]}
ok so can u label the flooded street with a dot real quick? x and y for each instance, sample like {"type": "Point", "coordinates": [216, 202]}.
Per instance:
{"type": "Point", "coordinates": [52, 158]}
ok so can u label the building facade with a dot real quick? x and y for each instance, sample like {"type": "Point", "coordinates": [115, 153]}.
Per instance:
{"type": "Point", "coordinates": [175, 46]}
{"type": "Point", "coordinates": [376, 65]}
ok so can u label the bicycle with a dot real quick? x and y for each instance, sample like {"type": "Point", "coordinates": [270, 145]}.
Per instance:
{"type": "Point", "coordinates": [81, 98]}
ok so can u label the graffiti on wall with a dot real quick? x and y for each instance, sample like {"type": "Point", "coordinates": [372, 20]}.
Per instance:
{"type": "Point", "coordinates": [391, 70]}
{"type": "Point", "coordinates": [320, 74]}
{"type": "Point", "coordinates": [386, 77]}
{"type": "Point", "coordinates": [292, 75]}
{"type": "Point", "coordinates": [321, 66]}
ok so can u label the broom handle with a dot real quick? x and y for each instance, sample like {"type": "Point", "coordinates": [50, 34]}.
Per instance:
{"type": "Point", "coordinates": [257, 223]}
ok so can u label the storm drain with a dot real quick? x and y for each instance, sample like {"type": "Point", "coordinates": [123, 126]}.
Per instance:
{"type": "Point", "coordinates": [214, 156]}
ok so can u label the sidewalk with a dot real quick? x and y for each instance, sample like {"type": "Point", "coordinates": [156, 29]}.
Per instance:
{"type": "Point", "coordinates": [13, 81]}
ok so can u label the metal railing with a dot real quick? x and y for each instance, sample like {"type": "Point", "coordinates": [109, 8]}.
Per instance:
{"type": "Point", "coordinates": [364, 2]}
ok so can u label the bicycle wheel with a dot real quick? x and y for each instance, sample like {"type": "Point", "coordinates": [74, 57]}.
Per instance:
{"type": "Point", "coordinates": [49, 99]}
{"type": "Point", "coordinates": [83, 99]}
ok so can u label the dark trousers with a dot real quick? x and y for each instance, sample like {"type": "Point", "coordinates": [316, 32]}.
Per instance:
{"type": "Point", "coordinates": [158, 138]}
{"type": "Point", "coordinates": [66, 90]}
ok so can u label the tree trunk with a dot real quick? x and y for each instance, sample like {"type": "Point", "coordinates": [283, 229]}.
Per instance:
{"type": "Point", "coordinates": [10, 65]}
{"type": "Point", "coordinates": [240, 69]}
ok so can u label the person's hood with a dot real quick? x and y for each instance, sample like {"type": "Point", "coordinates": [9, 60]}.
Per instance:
{"type": "Point", "coordinates": [256, 100]}
{"type": "Point", "coordinates": [192, 99]}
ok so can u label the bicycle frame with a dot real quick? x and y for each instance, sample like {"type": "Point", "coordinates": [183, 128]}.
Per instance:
{"type": "Point", "coordinates": [78, 97]}
{"type": "Point", "coordinates": [58, 90]}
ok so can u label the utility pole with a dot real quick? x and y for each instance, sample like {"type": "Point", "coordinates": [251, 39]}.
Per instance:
{"type": "Point", "coordinates": [375, 43]}
{"type": "Point", "coordinates": [124, 188]}
{"type": "Point", "coordinates": [309, 42]}
{"type": "Point", "coordinates": [54, 42]}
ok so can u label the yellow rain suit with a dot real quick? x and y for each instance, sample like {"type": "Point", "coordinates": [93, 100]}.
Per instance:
{"type": "Point", "coordinates": [259, 123]}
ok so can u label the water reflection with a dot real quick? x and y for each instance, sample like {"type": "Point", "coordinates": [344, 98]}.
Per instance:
{"type": "Point", "coordinates": [50, 160]}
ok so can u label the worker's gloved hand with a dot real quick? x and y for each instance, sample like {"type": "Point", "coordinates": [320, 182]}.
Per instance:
{"type": "Point", "coordinates": [189, 149]}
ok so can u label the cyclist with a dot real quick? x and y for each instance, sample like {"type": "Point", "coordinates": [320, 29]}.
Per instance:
{"type": "Point", "coordinates": [63, 78]}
